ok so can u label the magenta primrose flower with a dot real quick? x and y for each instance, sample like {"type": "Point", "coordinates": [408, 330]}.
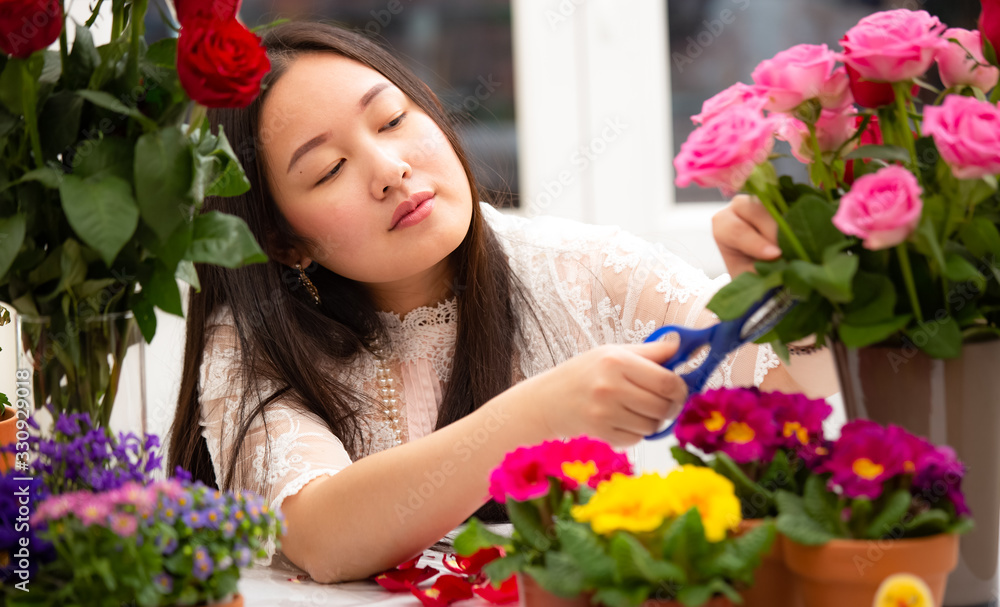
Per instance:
{"type": "Point", "coordinates": [524, 473]}
{"type": "Point", "coordinates": [798, 417]}
{"type": "Point", "coordinates": [939, 473]}
{"type": "Point", "coordinates": [864, 457]}
{"type": "Point", "coordinates": [729, 420]}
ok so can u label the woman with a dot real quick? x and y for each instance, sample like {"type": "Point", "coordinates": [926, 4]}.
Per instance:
{"type": "Point", "coordinates": [398, 311]}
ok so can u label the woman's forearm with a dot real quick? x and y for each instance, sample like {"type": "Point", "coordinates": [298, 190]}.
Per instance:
{"type": "Point", "coordinates": [389, 506]}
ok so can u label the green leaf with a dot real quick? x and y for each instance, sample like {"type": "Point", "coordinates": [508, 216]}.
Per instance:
{"type": "Point", "coordinates": [879, 152]}
{"type": "Point", "coordinates": [753, 544]}
{"type": "Point", "coordinates": [161, 290]}
{"type": "Point", "coordinates": [684, 539]}
{"type": "Point", "coordinates": [109, 102]}
{"type": "Point", "coordinates": [939, 339]}
{"type": "Point", "coordinates": [105, 156]}
{"type": "Point", "coordinates": [735, 298]}
{"type": "Point", "coordinates": [926, 241]}
{"type": "Point", "coordinates": [777, 475]}
{"type": "Point", "coordinates": [189, 274]}
{"type": "Point", "coordinates": [962, 525]}
{"type": "Point", "coordinates": [47, 176]}
{"type": "Point", "coordinates": [874, 299]}
{"type": "Point", "coordinates": [83, 60]}
{"type": "Point", "coordinates": [59, 123]}
{"type": "Point", "coordinates": [888, 521]}
{"type": "Point", "coordinates": [860, 336]}
{"type": "Point", "coordinates": [528, 523]}
{"type": "Point", "coordinates": [12, 230]}
{"type": "Point", "coordinates": [501, 569]}
{"type": "Point", "coordinates": [580, 542]}
{"type": "Point", "coordinates": [72, 269]}
{"type": "Point", "coordinates": [163, 174]}
{"type": "Point", "coordinates": [475, 537]}
{"type": "Point", "coordinates": [634, 562]}
{"type": "Point", "coordinates": [163, 53]}
{"type": "Point", "coordinates": [103, 213]}
{"type": "Point", "coordinates": [218, 171]}
{"type": "Point", "coordinates": [832, 279]}
{"type": "Point", "coordinates": [811, 219]}
{"type": "Point", "coordinates": [696, 595]}
{"type": "Point", "coordinates": [682, 457]}
{"type": "Point", "coordinates": [926, 523]}
{"type": "Point", "coordinates": [10, 81]}
{"type": "Point", "coordinates": [959, 269]}
{"type": "Point", "coordinates": [748, 491]}
{"type": "Point", "coordinates": [796, 524]}
{"type": "Point", "coordinates": [223, 240]}
{"type": "Point", "coordinates": [981, 237]}
{"type": "Point", "coordinates": [559, 575]}
{"type": "Point", "coordinates": [820, 504]}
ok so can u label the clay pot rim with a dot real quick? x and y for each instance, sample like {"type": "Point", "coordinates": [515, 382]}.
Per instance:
{"type": "Point", "coordinates": [8, 414]}
{"type": "Point", "coordinates": [847, 543]}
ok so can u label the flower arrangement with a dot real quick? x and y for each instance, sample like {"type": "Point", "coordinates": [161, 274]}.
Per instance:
{"type": "Point", "coordinates": [876, 482]}
{"type": "Point", "coordinates": [103, 182]}
{"type": "Point", "coordinates": [584, 524]}
{"type": "Point", "coordinates": [760, 441]}
{"type": "Point", "coordinates": [466, 579]}
{"type": "Point", "coordinates": [896, 234]}
{"type": "Point", "coordinates": [103, 531]}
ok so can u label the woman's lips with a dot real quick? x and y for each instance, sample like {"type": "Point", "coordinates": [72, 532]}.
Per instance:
{"type": "Point", "coordinates": [420, 213]}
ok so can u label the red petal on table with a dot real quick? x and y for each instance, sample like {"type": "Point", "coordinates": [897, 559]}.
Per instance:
{"type": "Point", "coordinates": [471, 565]}
{"type": "Point", "coordinates": [506, 593]}
{"type": "Point", "coordinates": [446, 590]}
{"type": "Point", "coordinates": [410, 564]}
{"type": "Point", "coordinates": [400, 580]}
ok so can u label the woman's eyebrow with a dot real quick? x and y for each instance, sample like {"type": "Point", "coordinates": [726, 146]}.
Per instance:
{"type": "Point", "coordinates": [366, 99]}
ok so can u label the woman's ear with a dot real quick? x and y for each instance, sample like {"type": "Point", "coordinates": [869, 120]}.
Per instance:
{"type": "Point", "coordinates": [288, 255]}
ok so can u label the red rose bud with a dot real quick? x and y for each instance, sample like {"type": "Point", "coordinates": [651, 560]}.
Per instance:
{"type": "Point", "coordinates": [29, 25]}
{"type": "Point", "coordinates": [506, 593]}
{"type": "Point", "coordinates": [220, 63]}
{"type": "Point", "coordinates": [223, 10]}
{"type": "Point", "coordinates": [989, 27]}
{"type": "Point", "coordinates": [867, 93]}
{"type": "Point", "coordinates": [446, 590]}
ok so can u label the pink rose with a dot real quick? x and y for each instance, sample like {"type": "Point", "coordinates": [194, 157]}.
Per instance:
{"type": "Point", "coordinates": [957, 67]}
{"type": "Point", "coordinates": [883, 208]}
{"type": "Point", "coordinates": [893, 46]}
{"type": "Point", "coordinates": [967, 133]}
{"type": "Point", "coordinates": [724, 151]}
{"type": "Point", "coordinates": [835, 94]}
{"type": "Point", "coordinates": [794, 76]}
{"type": "Point", "coordinates": [833, 129]}
{"type": "Point", "coordinates": [738, 94]}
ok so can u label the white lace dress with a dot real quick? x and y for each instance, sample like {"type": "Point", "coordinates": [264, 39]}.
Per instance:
{"type": "Point", "coordinates": [593, 284]}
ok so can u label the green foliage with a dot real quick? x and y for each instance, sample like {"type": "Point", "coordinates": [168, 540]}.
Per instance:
{"type": "Point", "coordinates": [103, 215]}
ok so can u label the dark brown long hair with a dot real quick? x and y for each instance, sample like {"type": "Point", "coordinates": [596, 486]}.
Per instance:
{"type": "Point", "coordinates": [282, 334]}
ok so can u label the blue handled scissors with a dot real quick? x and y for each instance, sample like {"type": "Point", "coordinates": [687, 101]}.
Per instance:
{"type": "Point", "coordinates": [721, 339]}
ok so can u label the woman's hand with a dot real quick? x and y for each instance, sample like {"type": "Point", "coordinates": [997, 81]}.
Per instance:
{"type": "Point", "coordinates": [616, 393]}
{"type": "Point", "coordinates": [745, 232]}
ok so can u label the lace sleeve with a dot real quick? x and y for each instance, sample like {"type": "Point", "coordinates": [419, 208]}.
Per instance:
{"type": "Point", "coordinates": [282, 452]}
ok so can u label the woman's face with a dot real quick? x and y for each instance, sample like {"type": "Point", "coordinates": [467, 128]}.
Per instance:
{"type": "Point", "coordinates": [345, 150]}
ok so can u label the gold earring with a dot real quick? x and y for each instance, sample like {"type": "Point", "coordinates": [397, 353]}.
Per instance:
{"type": "Point", "coordinates": [308, 284]}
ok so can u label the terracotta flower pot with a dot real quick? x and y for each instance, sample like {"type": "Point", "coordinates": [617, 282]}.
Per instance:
{"type": "Point", "coordinates": [533, 595]}
{"type": "Point", "coordinates": [772, 585]}
{"type": "Point", "coordinates": [8, 436]}
{"type": "Point", "coordinates": [849, 572]}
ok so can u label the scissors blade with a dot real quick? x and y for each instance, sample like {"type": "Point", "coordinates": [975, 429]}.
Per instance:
{"type": "Point", "coordinates": [768, 315]}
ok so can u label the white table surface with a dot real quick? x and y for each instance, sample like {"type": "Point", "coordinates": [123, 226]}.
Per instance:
{"type": "Point", "coordinates": [273, 587]}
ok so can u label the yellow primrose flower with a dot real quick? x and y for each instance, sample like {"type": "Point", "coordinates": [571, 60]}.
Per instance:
{"type": "Point", "coordinates": [628, 503]}
{"type": "Point", "coordinates": [711, 493]}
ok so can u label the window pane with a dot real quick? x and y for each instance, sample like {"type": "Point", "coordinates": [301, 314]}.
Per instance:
{"type": "Point", "coordinates": [715, 43]}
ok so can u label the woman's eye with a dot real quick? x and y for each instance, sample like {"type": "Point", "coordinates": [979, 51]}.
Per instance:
{"type": "Point", "coordinates": [394, 123]}
{"type": "Point", "coordinates": [333, 172]}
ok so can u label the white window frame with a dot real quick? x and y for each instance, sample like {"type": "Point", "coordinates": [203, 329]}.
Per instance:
{"type": "Point", "coordinates": [582, 66]}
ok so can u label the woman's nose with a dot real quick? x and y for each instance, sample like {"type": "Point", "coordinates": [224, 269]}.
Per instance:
{"type": "Point", "coordinates": [390, 171]}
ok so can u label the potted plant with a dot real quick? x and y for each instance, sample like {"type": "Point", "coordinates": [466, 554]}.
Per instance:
{"type": "Point", "coordinates": [762, 442]}
{"type": "Point", "coordinates": [106, 162]}
{"type": "Point", "coordinates": [106, 533]}
{"type": "Point", "coordinates": [879, 502]}
{"type": "Point", "coordinates": [587, 531]}
{"type": "Point", "coordinates": [892, 247]}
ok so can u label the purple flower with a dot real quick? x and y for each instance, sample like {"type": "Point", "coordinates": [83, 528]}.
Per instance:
{"type": "Point", "coordinates": [729, 420]}
{"type": "Point", "coordinates": [864, 457]}
{"type": "Point", "coordinates": [939, 473]}
{"type": "Point", "coordinates": [228, 528]}
{"type": "Point", "coordinates": [202, 563]}
{"type": "Point", "coordinates": [166, 544]}
{"type": "Point", "coordinates": [798, 417]}
{"type": "Point", "coordinates": [243, 556]}
{"type": "Point", "coordinates": [164, 583]}
{"type": "Point", "coordinates": [212, 517]}
{"type": "Point", "coordinates": [194, 519]}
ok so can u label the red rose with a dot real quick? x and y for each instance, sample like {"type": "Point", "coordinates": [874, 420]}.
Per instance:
{"type": "Point", "coordinates": [867, 93]}
{"type": "Point", "coordinates": [29, 25]}
{"type": "Point", "coordinates": [223, 10]}
{"type": "Point", "coordinates": [220, 63]}
{"type": "Point", "coordinates": [989, 24]}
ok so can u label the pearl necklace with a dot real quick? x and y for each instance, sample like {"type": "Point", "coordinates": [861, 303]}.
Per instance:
{"type": "Point", "coordinates": [387, 391]}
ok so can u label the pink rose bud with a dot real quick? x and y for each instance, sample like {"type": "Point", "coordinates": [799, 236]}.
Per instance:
{"type": "Point", "coordinates": [882, 208]}
{"type": "Point", "coordinates": [794, 76]}
{"type": "Point", "coordinates": [833, 129]}
{"type": "Point", "coordinates": [893, 46]}
{"type": "Point", "coordinates": [738, 94]}
{"type": "Point", "coordinates": [957, 67]}
{"type": "Point", "coordinates": [835, 94]}
{"type": "Point", "coordinates": [724, 151]}
{"type": "Point", "coordinates": [967, 134]}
